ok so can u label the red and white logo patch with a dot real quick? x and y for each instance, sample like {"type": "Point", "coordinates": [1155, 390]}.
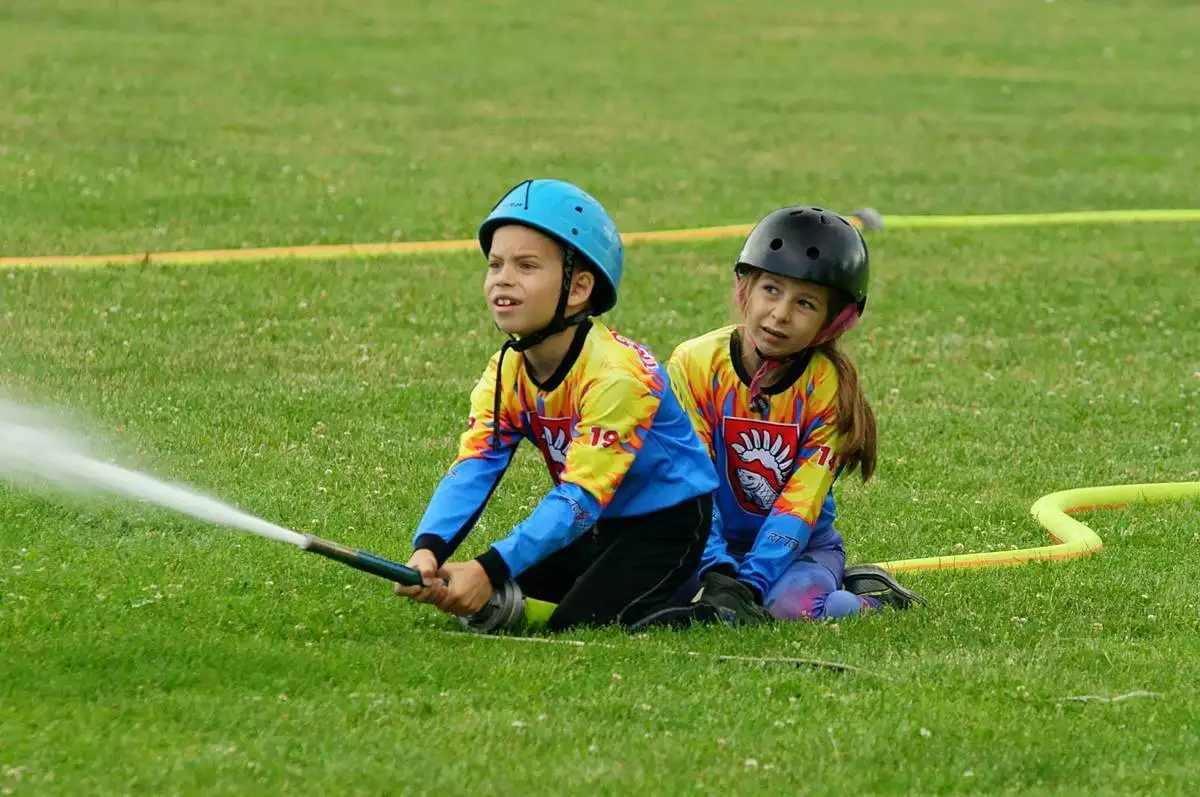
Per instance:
{"type": "Point", "coordinates": [759, 456]}
{"type": "Point", "coordinates": [553, 437]}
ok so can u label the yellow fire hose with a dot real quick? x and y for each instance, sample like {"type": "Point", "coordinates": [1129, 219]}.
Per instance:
{"type": "Point", "coordinates": [1071, 538]}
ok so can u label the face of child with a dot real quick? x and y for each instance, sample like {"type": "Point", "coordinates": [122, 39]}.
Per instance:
{"type": "Point", "coordinates": [524, 279]}
{"type": "Point", "coordinates": [783, 315]}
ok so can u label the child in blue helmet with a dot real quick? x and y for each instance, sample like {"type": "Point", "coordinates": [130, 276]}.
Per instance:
{"type": "Point", "coordinates": [779, 406]}
{"type": "Point", "coordinates": [628, 514]}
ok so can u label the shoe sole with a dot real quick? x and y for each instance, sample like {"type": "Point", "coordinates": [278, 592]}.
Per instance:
{"type": "Point", "coordinates": [872, 579]}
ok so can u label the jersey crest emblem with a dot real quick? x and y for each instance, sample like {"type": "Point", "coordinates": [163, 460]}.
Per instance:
{"type": "Point", "coordinates": [759, 456]}
{"type": "Point", "coordinates": [553, 438]}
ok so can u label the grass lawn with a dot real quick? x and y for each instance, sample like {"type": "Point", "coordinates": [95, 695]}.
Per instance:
{"type": "Point", "coordinates": [145, 653]}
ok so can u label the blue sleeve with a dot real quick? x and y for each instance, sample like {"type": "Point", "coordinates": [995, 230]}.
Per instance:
{"type": "Point", "coordinates": [562, 517]}
{"type": "Point", "coordinates": [716, 552]}
{"type": "Point", "coordinates": [459, 500]}
{"type": "Point", "coordinates": [780, 540]}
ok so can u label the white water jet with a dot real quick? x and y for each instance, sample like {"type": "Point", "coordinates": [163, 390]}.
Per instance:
{"type": "Point", "coordinates": [34, 454]}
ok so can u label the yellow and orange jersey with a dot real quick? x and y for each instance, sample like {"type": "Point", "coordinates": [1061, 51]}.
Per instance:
{"type": "Point", "coordinates": [776, 456]}
{"type": "Point", "coordinates": [615, 440]}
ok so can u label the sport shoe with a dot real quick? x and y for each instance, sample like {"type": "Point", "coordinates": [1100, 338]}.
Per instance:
{"type": "Point", "coordinates": [872, 581]}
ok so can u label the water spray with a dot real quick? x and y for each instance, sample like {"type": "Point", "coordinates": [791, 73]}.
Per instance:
{"type": "Point", "coordinates": [33, 453]}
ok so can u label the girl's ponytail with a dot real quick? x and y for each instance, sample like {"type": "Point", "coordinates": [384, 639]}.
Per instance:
{"type": "Point", "coordinates": [855, 418]}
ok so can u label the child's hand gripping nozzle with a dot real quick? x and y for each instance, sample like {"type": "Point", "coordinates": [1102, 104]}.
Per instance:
{"type": "Point", "coordinates": [507, 610]}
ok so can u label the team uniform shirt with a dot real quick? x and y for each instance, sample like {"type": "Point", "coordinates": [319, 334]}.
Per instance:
{"type": "Point", "coordinates": [613, 435]}
{"type": "Point", "coordinates": [776, 457]}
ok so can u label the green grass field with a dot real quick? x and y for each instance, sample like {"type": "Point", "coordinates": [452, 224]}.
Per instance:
{"type": "Point", "coordinates": [145, 653]}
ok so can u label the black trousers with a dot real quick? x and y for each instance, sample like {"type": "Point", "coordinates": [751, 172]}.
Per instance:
{"type": "Point", "coordinates": [623, 568]}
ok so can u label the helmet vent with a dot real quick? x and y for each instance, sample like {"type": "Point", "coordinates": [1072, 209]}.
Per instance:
{"type": "Point", "coordinates": [813, 253]}
{"type": "Point", "coordinates": [574, 231]}
{"type": "Point", "coordinates": [824, 219]}
{"type": "Point", "coordinates": [578, 210]}
{"type": "Point", "coordinates": [819, 210]}
{"type": "Point", "coordinates": [843, 221]}
{"type": "Point", "coordinates": [776, 243]}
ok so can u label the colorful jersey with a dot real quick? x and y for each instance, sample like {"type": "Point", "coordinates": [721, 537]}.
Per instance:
{"type": "Point", "coordinates": [614, 437]}
{"type": "Point", "coordinates": [777, 460]}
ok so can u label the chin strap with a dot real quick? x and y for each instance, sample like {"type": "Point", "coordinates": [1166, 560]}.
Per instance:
{"type": "Point", "coordinates": [766, 365]}
{"type": "Point", "coordinates": [845, 321]}
{"type": "Point", "coordinates": [559, 323]}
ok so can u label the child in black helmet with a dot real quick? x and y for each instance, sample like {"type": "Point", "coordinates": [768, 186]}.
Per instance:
{"type": "Point", "coordinates": [780, 408]}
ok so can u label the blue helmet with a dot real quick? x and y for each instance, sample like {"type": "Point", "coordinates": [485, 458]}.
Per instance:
{"type": "Point", "coordinates": [569, 215]}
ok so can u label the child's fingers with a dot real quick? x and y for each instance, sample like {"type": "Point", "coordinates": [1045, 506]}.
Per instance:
{"type": "Point", "coordinates": [408, 592]}
{"type": "Point", "coordinates": [446, 601]}
{"type": "Point", "coordinates": [429, 594]}
{"type": "Point", "coordinates": [453, 601]}
{"type": "Point", "coordinates": [424, 562]}
{"type": "Point", "coordinates": [460, 602]}
{"type": "Point", "coordinates": [435, 592]}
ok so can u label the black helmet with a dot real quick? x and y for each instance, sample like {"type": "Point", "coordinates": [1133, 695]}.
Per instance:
{"type": "Point", "coordinates": [810, 244]}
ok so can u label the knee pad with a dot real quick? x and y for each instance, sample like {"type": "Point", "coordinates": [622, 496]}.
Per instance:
{"type": "Point", "coordinates": [841, 603]}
